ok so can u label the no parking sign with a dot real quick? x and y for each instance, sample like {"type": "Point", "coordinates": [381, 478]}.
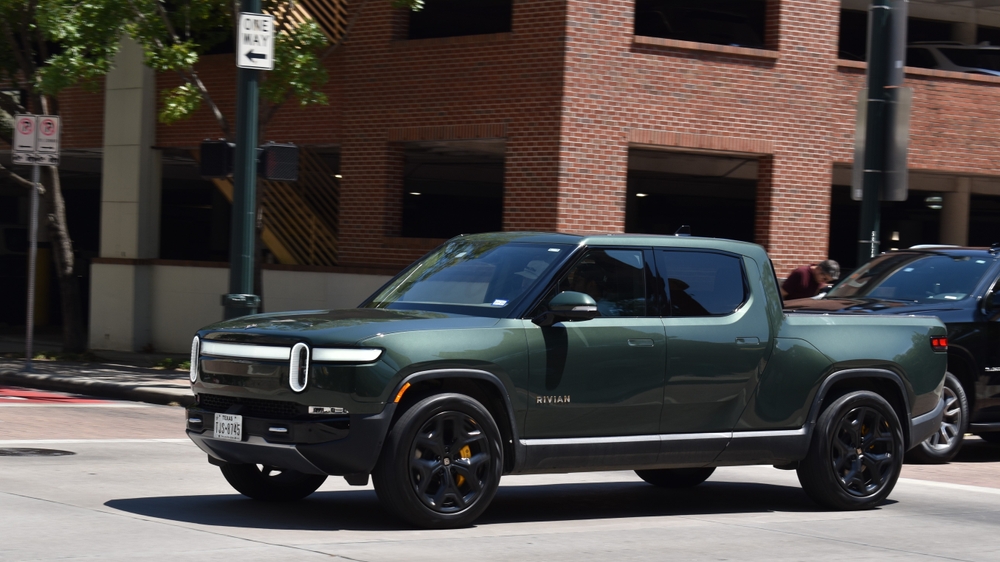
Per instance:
{"type": "Point", "coordinates": [36, 140]}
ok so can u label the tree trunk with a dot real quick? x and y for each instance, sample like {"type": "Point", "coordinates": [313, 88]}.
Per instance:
{"type": "Point", "coordinates": [74, 332]}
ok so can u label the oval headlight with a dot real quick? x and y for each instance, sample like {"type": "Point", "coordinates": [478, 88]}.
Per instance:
{"type": "Point", "coordinates": [195, 353]}
{"type": "Point", "coordinates": [298, 367]}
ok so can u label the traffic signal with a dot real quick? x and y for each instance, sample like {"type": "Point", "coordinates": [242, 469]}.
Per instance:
{"type": "Point", "coordinates": [275, 161]}
{"type": "Point", "coordinates": [278, 162]}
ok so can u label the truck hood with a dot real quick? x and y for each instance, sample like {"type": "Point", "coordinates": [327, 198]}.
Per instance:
{"type": "Point", "coordinates": [866, 306]}
{"type": "Point", "coordinates": [348, 326]}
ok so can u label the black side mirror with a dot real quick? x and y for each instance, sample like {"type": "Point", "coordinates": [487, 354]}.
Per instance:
{"type": "Point", "coordinates": [568, 306]}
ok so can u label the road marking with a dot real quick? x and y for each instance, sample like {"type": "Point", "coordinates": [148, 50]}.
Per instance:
{"type": "Point", "coordinates": [950, 486]}
{"type": "Point", "coordinates": [14, 442]}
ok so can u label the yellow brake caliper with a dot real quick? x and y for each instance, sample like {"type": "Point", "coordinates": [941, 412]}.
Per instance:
{"type": "Point", "coordinates": [465, 453]}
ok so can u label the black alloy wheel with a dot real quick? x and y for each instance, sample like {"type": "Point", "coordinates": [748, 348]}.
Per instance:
{"type": "Point", "coordinates": [267, 483]}
{"type": "Point", "coordinates": [855, 455]}
{"type": "Point", "coordinates": [947, 440]}
{"type": "Point", "coordinates": [441, 463]}
{"type": "Point", "coordinates": [449, 462]}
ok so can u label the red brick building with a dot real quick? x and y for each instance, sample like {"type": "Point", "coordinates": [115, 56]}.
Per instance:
{"type": "Point", "coordinates": [736, 117]}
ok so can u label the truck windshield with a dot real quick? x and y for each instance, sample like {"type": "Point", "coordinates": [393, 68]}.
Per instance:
{"type": "Point", "coordinates": [477, 277]}
{"type": "Point", "coordinates": [913, 277]}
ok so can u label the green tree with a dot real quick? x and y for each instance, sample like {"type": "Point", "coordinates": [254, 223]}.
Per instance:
{"type": "Point", "coordinates": [50, 45]}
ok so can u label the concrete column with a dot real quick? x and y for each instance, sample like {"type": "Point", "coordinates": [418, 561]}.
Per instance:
{"type": "Point", "coordinates": [955, 213]}
{"type": "Point", "coordinates": [130, 206]}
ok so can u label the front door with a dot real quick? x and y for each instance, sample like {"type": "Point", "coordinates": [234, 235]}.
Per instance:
{"type": "Point", "coordinates": [599, 377]}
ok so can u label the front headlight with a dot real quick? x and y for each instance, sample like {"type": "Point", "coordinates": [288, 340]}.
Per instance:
{"type": "Point", "coordinates": [195, 353]}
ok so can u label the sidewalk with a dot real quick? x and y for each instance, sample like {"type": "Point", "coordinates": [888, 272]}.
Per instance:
{"type": "Point", "coordinates": [116, 375]}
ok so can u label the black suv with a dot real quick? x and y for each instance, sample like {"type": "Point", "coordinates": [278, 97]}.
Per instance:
{"type": "Point", "coordinates": [960, 286]}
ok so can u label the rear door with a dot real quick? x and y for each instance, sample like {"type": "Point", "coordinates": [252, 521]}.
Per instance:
{"type": "Point", "coordinates": [718, 340]}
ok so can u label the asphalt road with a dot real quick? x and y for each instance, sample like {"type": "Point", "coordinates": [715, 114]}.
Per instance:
{"type": "Point", "coordinates": [131, 487]}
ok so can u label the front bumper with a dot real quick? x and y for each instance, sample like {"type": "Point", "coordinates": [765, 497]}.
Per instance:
{"type": "Point", "coordinates": [336, 445]}
{"type": "Point", "coordinates": [925, 425]}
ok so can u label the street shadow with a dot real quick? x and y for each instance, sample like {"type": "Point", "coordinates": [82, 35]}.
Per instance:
{"type": "Point", "coordinates": [360, 509]}
{"type": "Point", "coordinates": [976, 450]}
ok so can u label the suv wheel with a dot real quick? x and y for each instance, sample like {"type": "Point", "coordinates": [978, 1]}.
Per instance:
{"type": "Point", "coordinates": [267, 483]}
{"type": "Point", "coordinates": [441, 462]}
{"type": "Point", "coordinates": [855, 454]}
{"type": "Point", "coordinates": [676, 477]}
{"type": "Point", "coordinates": [944, 445]}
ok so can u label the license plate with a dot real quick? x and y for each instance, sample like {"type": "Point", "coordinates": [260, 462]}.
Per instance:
{"type": "Point", "coordinates": [229, 427]}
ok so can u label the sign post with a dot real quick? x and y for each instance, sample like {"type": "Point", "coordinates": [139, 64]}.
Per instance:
{"type": "Point", "coordinates": [255, 52]}
{"type": "Point", "coordinates": [36, 142]}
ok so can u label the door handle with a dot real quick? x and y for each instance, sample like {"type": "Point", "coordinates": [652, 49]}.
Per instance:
{"type": "Point", "coordinates": [640, 342]}
{"type": "Point", "coordinates": [747, 341]}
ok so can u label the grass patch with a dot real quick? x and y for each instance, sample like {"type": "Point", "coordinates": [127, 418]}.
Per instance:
{"type": "Point", "coordinates": [167, 364]}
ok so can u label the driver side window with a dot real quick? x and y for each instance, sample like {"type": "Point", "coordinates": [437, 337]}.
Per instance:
{"type": "Point", "coordinates": [616, 279]}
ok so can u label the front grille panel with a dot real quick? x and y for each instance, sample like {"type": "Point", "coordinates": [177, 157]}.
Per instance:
{"type": "Point", "coordinates": [255, 407]}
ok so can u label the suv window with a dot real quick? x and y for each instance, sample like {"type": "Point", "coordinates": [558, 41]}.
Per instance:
{"type": "Point", "coordinates": [920, 58]}
{"type": "Point", "coordinates": [616, 279]}
{"type": "Point", "coordinates": [702, 283]}
{"type": "Point", "coordinates": [911, 277]}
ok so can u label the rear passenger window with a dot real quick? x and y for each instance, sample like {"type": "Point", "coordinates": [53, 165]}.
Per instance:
{"type": "Point", "coordinates": [702, 283]}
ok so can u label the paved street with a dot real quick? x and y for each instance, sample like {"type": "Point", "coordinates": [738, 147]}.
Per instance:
{"type": "Point", "coordinates": [134, 488]}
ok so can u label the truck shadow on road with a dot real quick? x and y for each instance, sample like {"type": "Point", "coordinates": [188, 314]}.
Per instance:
{"type": "Point", "coordinates": [360, 510]}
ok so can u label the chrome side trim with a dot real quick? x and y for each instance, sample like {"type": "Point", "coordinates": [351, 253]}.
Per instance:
{"type": "Point", "coordinates": [777, 433]}
{"type": "Point", "coordinates": [343, 354]}
{"type": "Point", "coordinates": [664, 437]}
{"type": "Point", "coordinates": [245, 351]}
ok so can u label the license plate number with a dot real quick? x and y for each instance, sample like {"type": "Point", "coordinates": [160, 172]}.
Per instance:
{"type": "Point", "coordinates": [229, 427]}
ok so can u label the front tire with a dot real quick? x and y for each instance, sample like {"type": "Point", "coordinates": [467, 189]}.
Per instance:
{"type": "Point", "coordinates": [676, 477]}
{"type": "Point", "coordinates": [266, 483]}
{"type": "Point", "coordinates": [441, 463]}
{"type": "Point", "coordinates": [855, 454]}
{"type": "Point", "coordinates": [944, 445]}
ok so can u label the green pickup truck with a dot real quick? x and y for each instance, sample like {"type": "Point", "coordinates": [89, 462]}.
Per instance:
{"type": "Point", "coordinates": [518, 353]}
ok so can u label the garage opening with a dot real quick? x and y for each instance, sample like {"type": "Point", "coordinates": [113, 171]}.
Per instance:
{"type": "Point", "coordinates": [452, 188]}
{"type": "Point", "coordinates": [453, 18]}
{"type": "Point", "coordinates": [941, 34]}
{"type": "Point", "coordinates": [720, 22]}
{"type": "Point", "coordinates": [715, 195]}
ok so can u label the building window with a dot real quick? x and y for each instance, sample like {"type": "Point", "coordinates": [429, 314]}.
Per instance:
{"type": "Point", "coordinates": [452, 18]}
{"type": "Point", "coordinates": [721, 22]}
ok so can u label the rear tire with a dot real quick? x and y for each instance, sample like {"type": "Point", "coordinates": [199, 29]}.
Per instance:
{"type": "Point", "coordinates": [441, 463]}
{"type": "Point", "coordinates": [676, 477]}
{"type": "Point", "coordinates": [266, 483]}
{"type": "Point", "coordinates": [855, 454]}
{"type": "Point", "coordinates": [945, 444]}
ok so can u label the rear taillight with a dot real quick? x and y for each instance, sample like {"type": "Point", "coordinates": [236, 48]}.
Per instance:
{"type": "Point", "coordinates": [939, 343]}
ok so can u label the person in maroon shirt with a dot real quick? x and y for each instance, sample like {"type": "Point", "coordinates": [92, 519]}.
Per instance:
{"type": "Point", "coordinates": [806, 281]}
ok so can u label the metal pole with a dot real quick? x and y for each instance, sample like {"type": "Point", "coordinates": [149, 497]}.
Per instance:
{"type": "Point", "coordinates": [241, 300]}
{"type": "Point", "coordinates": [885, 70]}
{"type": "Point", "coordinates": [32, 258]}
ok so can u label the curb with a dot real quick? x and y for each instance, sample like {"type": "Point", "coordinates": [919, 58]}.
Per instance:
{"type": "Point", "coordinates": [101, 389]}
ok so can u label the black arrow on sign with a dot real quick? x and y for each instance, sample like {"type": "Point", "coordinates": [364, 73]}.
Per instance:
{"type": "Point", "coordinates": [252, 55]}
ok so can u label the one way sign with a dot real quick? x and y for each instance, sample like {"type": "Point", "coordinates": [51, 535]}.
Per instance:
{"type": "Point", "coordinates": [256, 43]}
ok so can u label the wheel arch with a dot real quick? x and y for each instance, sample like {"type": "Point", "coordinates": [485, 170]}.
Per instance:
{"type": "Point", "coordinates": [887, 384]}
{"type": "Point", "coordinates": [483, 386]}
{"type": "Point", "coordinates": [963, 366]}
